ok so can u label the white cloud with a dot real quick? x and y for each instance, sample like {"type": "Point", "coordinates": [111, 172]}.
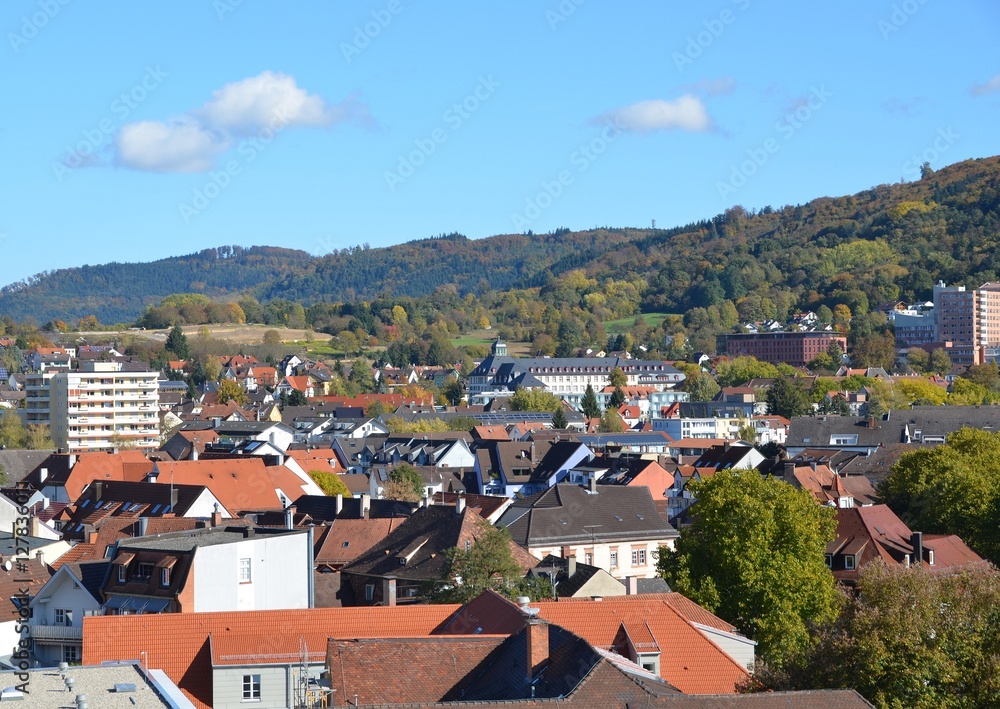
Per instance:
{"type": "Point", "coordinates": [269, 102]}
{"type": "Point", "coordinates": [990, 87]}
{"type": "Point", "coordinates": [685, 113]}
{"type": "Point", "coordinates": [179, 146]}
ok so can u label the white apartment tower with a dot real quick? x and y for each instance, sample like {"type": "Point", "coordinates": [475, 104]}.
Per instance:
{"type": "Point", "coordinates": [97, 408]}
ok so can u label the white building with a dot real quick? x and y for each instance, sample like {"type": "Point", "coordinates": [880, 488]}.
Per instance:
{"type": "Point", "coordinates": [212, 569]}
{"type": "Point", "coordinates": [96, 408]}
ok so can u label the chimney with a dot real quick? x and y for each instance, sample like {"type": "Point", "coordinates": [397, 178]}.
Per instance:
{"type": "Point", "coordinates": [917, 542]}
{"type": "Point", "coordinates": [216, 516]}
{"type": "Point", "coordinates": [871, 422]}
{"type": "Point", "coordinates": [632, 585]}
{"type": "Point", "coordinates": [143, 526]}
{"type": "Point", "coordinates": [366, 505]}
{"type": "Point", "coordinates": [571, 567]}
{"type": "Point", "coordinates": [812, 464]}
{"type": "Point", "coordinates": [98, 491]}
{"type": "Point", "coordinates": [248, 532]}
{"type": "Point", "coordinates": [91, 537]}
{"type": "Point", "coordinates": [533, 452]}
{"type": "Point", "coordinates": [290, 517]}
{"type": "Point", "coordinates": [43, 474]}
{"type": "Point", "coordinates": [460, 505]}
{"type": "Point", "coordinates": [538, 645]}
{"type": "Point", "coordinates": [339, 504]}
{"type": "Point", "coordinates": [194, 450]}
{"type": "Point", "coordinates": [593, 483]}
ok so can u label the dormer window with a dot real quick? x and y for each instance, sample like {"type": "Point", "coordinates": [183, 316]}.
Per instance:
{"type": "Point", "coordinates": [829, 561]}
{"type": "Point", "coordinates": [849, 562]}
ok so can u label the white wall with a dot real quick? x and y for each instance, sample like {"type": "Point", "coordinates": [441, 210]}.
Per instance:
{"type": "Point", "coordinates": [602, 556]}
{"type": "Point", "coordinates": [204, 506]}
{"type": "Point", "coordinates": [280, 574]}
{"type": "Point", "coordinates": [276, 684]}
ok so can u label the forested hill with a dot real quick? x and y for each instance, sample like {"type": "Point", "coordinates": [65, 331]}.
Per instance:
{"type": "Point", "coordinates": [887, 242]}
{"type": "Point", "coordinates": [119, 292]}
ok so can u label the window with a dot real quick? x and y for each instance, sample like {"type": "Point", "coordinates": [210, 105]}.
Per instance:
{"type": "Point", "coordinates": [245, 570]}
{"type": "Point", "coordinates": [614, 560]}
{"type": "Point", "coordinates": [64, 617]}
{"type": "Point", "coordinates": [251, 687]}
{"type": "Point", "coordinates": [589, 559]}
{"type": "Point", "coordinates": [164, 577]}
{"type": "Point", "coordinates": [144, 572]}
{"type": "Point", "coordinates": [638, 557]}
{"type": "Point", "coordinates": [369, 591]}
{"type": "Point", "coordinates": [829, 561]}
{"type": "Point", "coordinates": [849, 561]}
{"type": "Point", "coordinates": [121, 572]}
{"type": "Point", "coordinates": [70, 653]}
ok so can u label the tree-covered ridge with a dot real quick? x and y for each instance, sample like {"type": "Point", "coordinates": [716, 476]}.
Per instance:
{"type": "Point", "coordinates": [885, 243]}
{"type": "Point", "coordinates": [118, 292]}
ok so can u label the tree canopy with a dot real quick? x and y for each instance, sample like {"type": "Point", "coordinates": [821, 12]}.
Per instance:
{"type": "Point", "coordinates": [909, 638]}
{"type": "Point", "coordinates": [755, 556]}
{"type": "Point", "coordinates": [951, 489]}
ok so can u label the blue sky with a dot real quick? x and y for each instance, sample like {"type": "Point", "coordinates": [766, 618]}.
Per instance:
{"type": "Point", "coordinates": [135, 131]}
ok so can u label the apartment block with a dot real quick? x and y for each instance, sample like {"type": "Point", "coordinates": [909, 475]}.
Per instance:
{"type": "Point", "coordinates": [794, 348]}
{"type": "Point", "coordinates": [969, 320]}
{"type": "Point", "coordinates": [98, 407]}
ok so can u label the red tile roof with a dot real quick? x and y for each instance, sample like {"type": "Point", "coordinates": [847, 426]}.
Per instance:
{"type": "Point", "coordinates": [126, 465]}
{"type": "Point", "coordinates": [179, 643]}
{"type": "Point", "coordinates": [238, 483]}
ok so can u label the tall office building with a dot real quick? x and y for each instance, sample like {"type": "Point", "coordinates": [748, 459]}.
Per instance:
{"type": "Point", "coordinates": [99, 407]}
{"type": "Point", "coordinates": [970, 320]}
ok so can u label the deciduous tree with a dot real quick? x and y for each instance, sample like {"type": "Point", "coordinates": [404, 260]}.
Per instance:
{"type": "Point", "coordinates": [754, 555]}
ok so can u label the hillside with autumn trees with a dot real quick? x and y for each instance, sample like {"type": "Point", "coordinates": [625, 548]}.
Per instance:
{"type": "Point", "coordinates": [839, 256]}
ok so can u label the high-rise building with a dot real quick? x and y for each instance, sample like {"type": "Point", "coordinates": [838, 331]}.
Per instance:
{"type": "Point", "coordinates": [98, 407]}
{"type": "Point", "coordinates": [969, 320]}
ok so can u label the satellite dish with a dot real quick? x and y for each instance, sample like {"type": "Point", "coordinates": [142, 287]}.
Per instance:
{"type": "Point", "coordinates": [7, 565]}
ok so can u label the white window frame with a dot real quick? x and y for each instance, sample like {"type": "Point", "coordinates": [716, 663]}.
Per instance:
{"type": "Point", "coordinates": [849, 562]}
{"type": "Point", "coordinates": [164, 577]}
{"type": "Point", "coordinates": [614, 560]}
{"type": "Point", "coordinates": [251, 688]}
{"type": "Point", "coordinates": [70, 653]}
{"type": "Point", "coordinates": [246, 570]}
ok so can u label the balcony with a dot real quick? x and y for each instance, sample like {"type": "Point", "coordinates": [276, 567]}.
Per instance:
{"type": "Point", "coordinates": [56, 633]}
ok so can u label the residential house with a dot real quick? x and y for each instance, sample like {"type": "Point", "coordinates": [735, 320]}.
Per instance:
{"type": "Point", "coordinates": [730, 456]}
{"type": "Point", "coordinates": [235, 432]}
{"type": "Point", "coordinates": [211, 569]}
{"type": "Point", "coordinates": [616, 528]}
{"type": "Point", "coordinates": [17, 584]}
{"type": "Point", "coordinates": [505, 467]}
{"type": "Point", "coordinates": [830, 488]}
{"type": "Point", "coordinates": [865, 534]}
{"type": "Point", "coordinates": [58, 610]}
{"type": "Point", "coordinates": [555, 465]}
{"type": "Point", "coordinates": [398, 569]}
{"type": "Point", "coordinates": [43, 549]}
{"type": "Point", "coordinates": [62, 477]}
{"type": "Point", "coordinates": [632, 442]}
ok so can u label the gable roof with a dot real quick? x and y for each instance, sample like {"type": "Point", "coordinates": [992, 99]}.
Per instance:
{"type": "Point", "coordinates": [415, 549]}
{"type": "Point", "coordinates": [179, 644]}
{"type": "Point", "coordinates": [75, 472]}
{"type": "Point", "coordinates": [567, 514]}
{"type": "Point", "coordinates": [242, 483]}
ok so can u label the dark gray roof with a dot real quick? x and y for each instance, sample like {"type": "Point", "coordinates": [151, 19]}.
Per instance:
{"type": "Point", "coordinates": [18, 463]}
{"type": "Point", "coordinates": [570, 514]}
{"type": "Point", "coordinates": [91, 575]}
{"type": "Point", "coordinates": [9, 547]}
{"type": "Point", "coordinates": [915, 425]}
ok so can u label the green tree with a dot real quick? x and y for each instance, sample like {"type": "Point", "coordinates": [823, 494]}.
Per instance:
{"type": "Point", "coordinates": [534, 400]}
{"type": "Point", "coordinates": [951, 489]}
{"type": "Point", "coordinates": [38, 437]}
{"type": "Point", "coordinates": [488, 564]}
{"type": "Point", "coordinates": [294, 398]}
{"type": "Point", "coordinates": [361, 376]}
{"type": "Point", "coordinates": [755, 556]}
{"type": "Point", "coordinates": [229, 390]}
{"type": "Point", "coordinates": [701, 386]}
{"type": "Point", "coordinates": [919, 360]}
{"type": "Point", "coordinates": [177, 343]}
{"type": "Point", "coordinates": [737, 371]}
{"type": "Point", "coordinates": [271, 338]}
{"type": "Point", "coordinates": [12, 433]}
{"type": "Point", "coordinates": [409, 484]}
{"type": "Point", "coordinates": [453, 392]}
{"type": "Point", "coordinates": [787, 398]}
{"type": "Point", "coordinates": [617, 398]}
{"type": "Point", "coordinates": [329, 483]}
{"type": "Point", "coordinates": [940, 361]}
{"type": "Point", "coordinates": [985, 375]}
{"type": "Point", "coordinates": [611, 421]}
{"type": "Point", "coordinates": [965, 392]}
{"type": "Point", "coordinates": [375, 409]}
{"type": "Point", "coordinates": [618, 378]}
{"type": "Point", "coordinates": [910, 638]}
{"type": "Point", "coordinates": [591, 408]}
{"type": "Point", "coordinates": [559, 420]}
